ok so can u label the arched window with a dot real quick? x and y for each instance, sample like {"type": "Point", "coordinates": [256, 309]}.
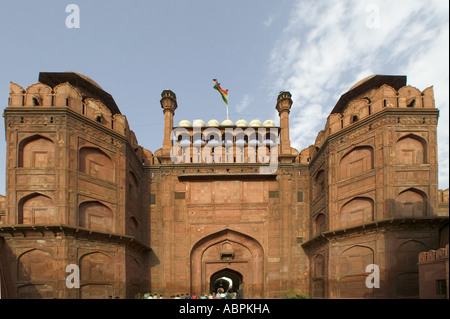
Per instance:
{"type": "Point", "coordinates": [36, 209]}
{"type": "Point", "coordinates": [411, 149]}
{"type": "Point", "coordinates": [96, 216]}
{"type": "Point", "coordinates": [411, 102]}
{"type": "Point", "coordinates": [356, 162]}
{"type": "Point", "coordinates": [96, 163]}
{"type": "Point", "coordinates": [255, 138]}
{"type": "Point", "coordinates": [241, 138]}
{"type": "Point", "coordinates": [36, 151]}
{"type": "Point", "coordinates": [198, 139]}
{"type": "Point", "coordinates": [271, 138]}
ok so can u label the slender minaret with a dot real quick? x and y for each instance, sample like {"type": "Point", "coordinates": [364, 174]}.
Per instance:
{"type": "Point", "coordinates": [284, 103]}
{"type": "Point", "coordinates": [169, 105]}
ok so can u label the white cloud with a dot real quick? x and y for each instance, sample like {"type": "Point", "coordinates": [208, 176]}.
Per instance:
{"type": "Point", "coordinates": [268, 22]}
{"type": "Point", "coordinates": [244, 103]}
{"type": "Point", "coordinates": [421, 75]}
{"type": "Point", "coordinates": [327, 46]}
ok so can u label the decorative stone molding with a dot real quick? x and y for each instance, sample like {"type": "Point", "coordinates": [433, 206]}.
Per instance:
{"type": "Point", "coordinates": [433, 255]}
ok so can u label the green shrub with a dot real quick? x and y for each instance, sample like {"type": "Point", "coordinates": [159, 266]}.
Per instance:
{"type": "Point", "coordinates": [292, 294]}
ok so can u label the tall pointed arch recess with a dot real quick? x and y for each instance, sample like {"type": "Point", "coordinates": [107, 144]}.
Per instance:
{"type": "Point", "coordinates": [228, 249]}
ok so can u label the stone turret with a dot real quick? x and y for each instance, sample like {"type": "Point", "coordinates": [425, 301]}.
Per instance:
{"type": "Point", "coordinates": [284, 103]}
{"type": "Point", "coordinates": [169, 105]}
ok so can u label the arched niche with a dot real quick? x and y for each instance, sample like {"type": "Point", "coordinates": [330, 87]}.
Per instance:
{"type": "Point", "coordinates": [36, 209]}
{"type": "Point", "coordinates": [132, 226]}
{"type": "Point", "coordinates": [318, 266]}
{"type": "Point", "coordinates": [351, 272]}
{"type": "Point", "coordinates": [36, 152]}
{"type": "Point", "coordinates": [96, 163]}
{"type": "Point", "coordinates": [407, 269]}
{"type": "Point", "coordinates": [357, 211]}
{"type": "Point", "coordinates": [231, 250]}
{"type": "Point", "coordinates": [411, 149]}
{"type": "Point", "coordinates": [96, 266]}
{"type": "Point", "coordinates": [96, 216]}
{"type": "Point", "coordinates": [133, 185]}
{"type": "Point", "coordinates": [356, 162]}
{"type": "Point", "coordinates": [411, 203]}
{"type": "Point", "coordinates": [35, 265]}
{"type": "Point", "coordinates": [318, 276]}
{"type": "Point", "coordinates": [96, 275]}
{"type": "Point", "coordinates": [319, 183]}
{"type": "Point", "coordinates": [319, 224]}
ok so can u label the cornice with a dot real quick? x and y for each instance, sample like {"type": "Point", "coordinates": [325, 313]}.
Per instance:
{"type": "Point", "coordinates": [372, 118]}
{"type": "Point", "coordinates": [62, 230]}
{"type": "Point", "coordinates": [376, 226]}
{"type": "Point", "coordinates": [62, 110]}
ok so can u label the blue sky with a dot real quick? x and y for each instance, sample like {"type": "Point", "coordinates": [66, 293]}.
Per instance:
{"type": "Point", "coordinates": [315, 49]}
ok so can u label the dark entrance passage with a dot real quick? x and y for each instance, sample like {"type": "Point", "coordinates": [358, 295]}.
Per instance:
{"type": "Point", "coordinates": [227, 280]}
{"type": "Point", "coordinates": [239, 255]}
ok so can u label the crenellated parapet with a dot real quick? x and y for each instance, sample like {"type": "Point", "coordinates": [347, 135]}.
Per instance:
{"type": "Point", "coordinates": [73, 166]}
{"type": "Point", "coordinates": [443, 202]}
{"type": "Point", "coordinates": [225, 142]}
{"type": "Point", "coordinates": [434, 255]}
{"type": "Point", "coordinates": [42, 97]}
{"type": "Point", "coordinates": [370, 97]}
{"type": "Point", "coordinates": [433, 273]}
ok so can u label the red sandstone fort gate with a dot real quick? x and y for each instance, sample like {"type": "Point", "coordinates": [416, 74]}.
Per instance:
{"type": "Point", "coordinates": [81, 190]}
{"type": "Point", "coordinates": [230, 251]}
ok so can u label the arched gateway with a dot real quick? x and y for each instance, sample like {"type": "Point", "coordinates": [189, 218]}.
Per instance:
{"type": "Point", "coordinates": [228, 252]}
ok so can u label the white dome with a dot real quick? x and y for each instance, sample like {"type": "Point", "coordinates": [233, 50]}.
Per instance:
{"type": "Point", "coordinates": [199, 123]}
{"type": "Point", "coordinates": [213, 123]}
{"type": "Point", "coordinates": [241, 123]}
{"type": "Point", "coordinates": [255, 123]}
{"type": "Point", "coordinates": [184, 123]}
{"type": "Point", "coordinates": [227, 123]}
{"type": "Point", "coordinates": [269, 123]}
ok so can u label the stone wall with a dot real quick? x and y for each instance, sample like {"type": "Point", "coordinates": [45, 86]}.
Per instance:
{"type": "Point", "coordinates": [434, 274]}
{"type": "Point", "coordinates": [80, 190]}
{"type": "Point", "coordinates": [72, 165]}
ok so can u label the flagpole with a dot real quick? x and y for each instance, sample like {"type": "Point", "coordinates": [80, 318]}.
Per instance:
{"type": "Point", "coordinates": [227, 111]}
{"type": "Point", "coordinates": [222, 92]}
